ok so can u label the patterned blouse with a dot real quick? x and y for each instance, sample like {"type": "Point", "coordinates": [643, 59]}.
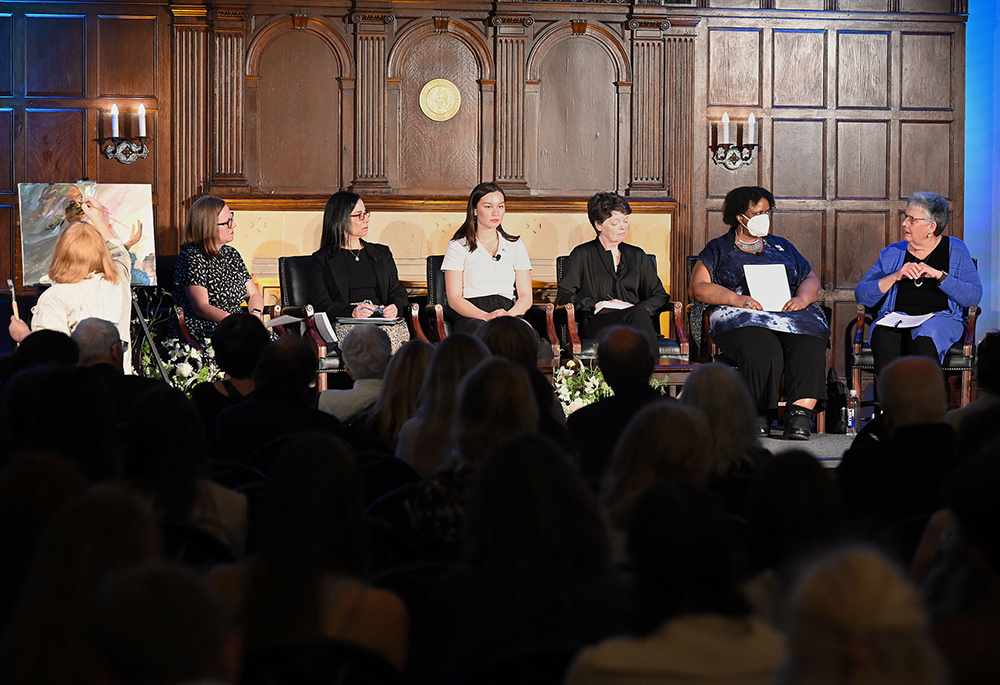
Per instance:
{"type": "Point", "coordinates": [725, 262]}
{"type": "Point", "coordinates": [225, 277]}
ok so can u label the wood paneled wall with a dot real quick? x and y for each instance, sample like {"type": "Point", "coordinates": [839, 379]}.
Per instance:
{"type": "Point", "coordinates": [280, 103]}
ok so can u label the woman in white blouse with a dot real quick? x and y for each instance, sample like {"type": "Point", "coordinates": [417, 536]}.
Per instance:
{"type": "Point", "coordinates": [487, 272]}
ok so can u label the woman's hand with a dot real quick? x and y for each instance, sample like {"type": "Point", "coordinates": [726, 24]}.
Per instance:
{"type": "Point", "coordinates": [95, 211]}
{"type": "Point", "coordinates": [18, 329]}
{"type": "Point", "coordinates": [929, 271]}
{"type": "Point", "coordinates": [911, 270]}
{"type": "Point", "coordinates": [496, 314]}
{"type": "Point", "coordinates": [363, 310]}
{"type": "Point", "coordinates": [795, 304]}
{"type": "Point", "coordinates": [390, 312]}
{"type": "Point", "coordinates": [747, 302]}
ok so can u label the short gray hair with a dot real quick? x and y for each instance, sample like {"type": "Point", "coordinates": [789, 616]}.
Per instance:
{"type": "Point", "coordinates": [935, 206]}
{"type": "Point", "coordinates": [366, 349]}
{"type": "Point", "coordinates": [95, 338]}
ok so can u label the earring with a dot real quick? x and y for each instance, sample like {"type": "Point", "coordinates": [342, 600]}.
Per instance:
{"type": "Point", "coordinates": [930, 234]}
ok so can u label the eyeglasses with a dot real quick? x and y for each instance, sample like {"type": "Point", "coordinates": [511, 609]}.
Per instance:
{"type": "Point", "coordinates": [232, 220]}
{"type": "Point", "coordinates": [361, 216]}
{"type": "Point", "coordinates": [904, 218]}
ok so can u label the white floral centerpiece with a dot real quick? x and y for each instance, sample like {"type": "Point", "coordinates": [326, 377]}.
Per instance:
{"type": "Point", "coordinates": [578, 385]}
{"type": "Point", "coordinates": [185, 366]}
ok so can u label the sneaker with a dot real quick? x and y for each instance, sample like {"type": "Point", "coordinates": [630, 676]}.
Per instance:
{"type": "Point", "coordinates": [798, 424]}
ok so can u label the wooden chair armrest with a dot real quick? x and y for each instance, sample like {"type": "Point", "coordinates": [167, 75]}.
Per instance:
{"type": "Point", "coordinates": [413, 321]}
{"type": "Point", "coordinates": [859, 331]}
{"type": "Point", "coordinates": [682, 336]}
{"type": "Point", "coordinates": [713, 347]}
{"type": "Point", "coordinates": [435, 321]}
{"type": "Point", "coordinates": [970, 331]}
{"type": "Point", "coordinates": [543, 320]}
{"type": "Point", "coordinates": [185, 333]}
{"type": "Point", "coordinates": [316, 340]}
{"type": "Point", "coordinates": [569, 311]}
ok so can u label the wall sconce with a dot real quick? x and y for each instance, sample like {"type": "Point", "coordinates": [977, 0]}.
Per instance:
{"type": "Point", "coordinates": [728, 153]}
{"type": "Point", "coordinates": [126, 150]}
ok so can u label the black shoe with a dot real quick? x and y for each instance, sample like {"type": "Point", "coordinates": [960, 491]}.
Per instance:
{"type": "Point", "coordinates": [798, 423]}
{"type": "Point", "coordinates": [763, 426]}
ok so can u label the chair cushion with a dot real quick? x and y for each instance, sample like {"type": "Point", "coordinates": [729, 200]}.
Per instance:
{"type": "Point", "coordinates": [954, 359]}
{"type": "Point", "coordinates": [668, 348]}
{"type": "Point", "coordinates": [330, 363]}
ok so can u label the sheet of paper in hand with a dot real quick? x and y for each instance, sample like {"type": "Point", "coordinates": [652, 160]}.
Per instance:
{"type": "Point", "coordinates": [768, 285]}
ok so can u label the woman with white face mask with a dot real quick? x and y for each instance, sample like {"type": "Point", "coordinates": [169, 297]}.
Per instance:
{"type": "Point", "coordinates": [765, 345]}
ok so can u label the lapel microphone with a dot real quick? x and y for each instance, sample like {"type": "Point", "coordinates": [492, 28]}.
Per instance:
{"type": "Point", "coordinates": [496, 257]}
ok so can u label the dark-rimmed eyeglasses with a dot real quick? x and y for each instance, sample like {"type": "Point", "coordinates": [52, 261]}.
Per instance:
{"type": "Point", "coordinates": [232, 220]}
{"type": "Point", "coordinates": [904, 218]}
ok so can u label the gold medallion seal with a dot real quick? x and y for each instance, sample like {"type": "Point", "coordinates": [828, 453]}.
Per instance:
{"type": "Point", "coordinates": [440, 99]}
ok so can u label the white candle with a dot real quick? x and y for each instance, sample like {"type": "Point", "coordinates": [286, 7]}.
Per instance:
{"type": "Point", "coordinates": [724, 132]}
{"type": "Point", "coordinates": [114, 121]}
{"type": "Point", "coordinates": [751, 130]}
{"type": "Point", "coordinates": [142, 121]}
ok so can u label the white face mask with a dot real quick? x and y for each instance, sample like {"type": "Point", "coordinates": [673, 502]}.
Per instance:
{"type": "Point", "coordinates": [758, 225]}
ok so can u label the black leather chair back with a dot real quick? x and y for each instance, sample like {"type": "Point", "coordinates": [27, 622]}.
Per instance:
{"type": "Point", "coordinates": [165, 265]}
{"type": "Point", "coordinates": [436, 293]}
{"type": "Point", "coordinates": [294, 277]}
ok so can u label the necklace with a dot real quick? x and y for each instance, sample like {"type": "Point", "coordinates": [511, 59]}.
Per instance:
{"type": "Point", "coordinates": [357, 255]}
{"type": "Point", "coordinates": [752, 246]}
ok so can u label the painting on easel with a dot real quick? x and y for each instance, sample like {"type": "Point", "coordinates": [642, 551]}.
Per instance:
{"type": "Point", "coordinates": [48, 208]}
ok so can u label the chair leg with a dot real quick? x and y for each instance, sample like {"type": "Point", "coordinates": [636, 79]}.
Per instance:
{"type": "Point", "coordinates": [966, 387]}
{"type": "Point", "coordinates": [321, 382]}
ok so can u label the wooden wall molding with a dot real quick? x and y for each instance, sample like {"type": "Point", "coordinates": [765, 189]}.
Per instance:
{"type": "Point", "coordinates": [561, 31]}
{"type": "Point", "coordinates": [510, 39]}
{"type": "Point", "coordinates": [337, 43]}
{"type": "Point", "coordinates": [459, 29]}
{"type": "Point", "coordinates": [372, 32]}
{"type": "Point", "coordinates": [190, 117]}
{"type": "Point", "coordinates": [228, 114]}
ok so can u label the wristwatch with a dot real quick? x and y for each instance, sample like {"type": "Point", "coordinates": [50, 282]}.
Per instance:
{"type": "Point", "coordinates": [944, 275]}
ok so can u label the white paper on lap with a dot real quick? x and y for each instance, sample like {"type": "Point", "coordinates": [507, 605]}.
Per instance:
{"type": "Point", "coordinates": [768, 285]}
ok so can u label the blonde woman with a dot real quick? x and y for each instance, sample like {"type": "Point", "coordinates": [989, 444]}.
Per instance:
{"type": "Point", "coordinates": [211, 281]}
{"type": "Point", "coordinates": [90, 272]}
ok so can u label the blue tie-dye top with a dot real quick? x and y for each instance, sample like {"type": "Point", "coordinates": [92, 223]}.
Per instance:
{"type": "Point", "coordinates": [725, 262]}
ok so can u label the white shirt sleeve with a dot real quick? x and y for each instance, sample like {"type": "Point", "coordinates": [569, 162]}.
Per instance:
{"type": "Point", "coordinates": [521, 260]}
{"type": "Point", "coordinates": [455, 256]}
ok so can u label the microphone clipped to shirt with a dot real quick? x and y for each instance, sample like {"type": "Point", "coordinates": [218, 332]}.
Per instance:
{"type": "Point", "coordinates": [496, 257]}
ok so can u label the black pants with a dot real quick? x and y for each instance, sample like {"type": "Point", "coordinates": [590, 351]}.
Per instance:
{"type": "Point", "coordinates": [889, 344]}
{"type": "Point", "coordinates": [763, 355]}
{"type": "Point", "coordinates": [488, 303]}
{"type": "Point", "coordinates": [633, 317]}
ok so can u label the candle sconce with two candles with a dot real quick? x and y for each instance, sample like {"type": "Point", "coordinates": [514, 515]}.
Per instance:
{"type": "Point", "coordinates": [127, 150]}
{"type": "Point", "coordinates": [729, 154]}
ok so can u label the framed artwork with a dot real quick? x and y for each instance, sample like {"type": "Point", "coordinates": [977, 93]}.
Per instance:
{"type": "Point", "coordinates": [48, 208]}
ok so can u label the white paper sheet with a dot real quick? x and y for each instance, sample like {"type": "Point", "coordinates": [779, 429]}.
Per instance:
{"type": "Point", "coordinates": [768, 285]}
{"type": "Point", "coordinates": [897, 320]}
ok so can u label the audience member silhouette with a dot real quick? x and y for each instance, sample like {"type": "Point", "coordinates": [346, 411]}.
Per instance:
{"type": "Point", "coordinates": [689, 621]}
{"type": "Point", "coordinates": [284, 390]}
{"type": "Point", "coordinates": [166, 460]}
{"type": "Point", "coordinates": [41, 347]}
{"type": "Point", "coordinates": [237, 341]}
{"type": "Point", "coordinates": [627, 363]}
{"type": "Point", "coordinates": [794, 513]}
{"type": "Point", "coordinates": [886, 483]}
{"type": "Point", "coordinates": [855, 619]}
{"type": "Point", "coordinates": [423, 440]}
{"type": "Point", "coordinates": [48, 641]}
{"type": "Point", "coordinates": [536, 569]}
{"type": "Point", "coordinates": [377, 428]}
{"type": "Point", "coordinates": [366, 351]}
{"type": "Point", "coordinates": [156, 623]}
{"type": "Point", "coordinates": [307, 581]}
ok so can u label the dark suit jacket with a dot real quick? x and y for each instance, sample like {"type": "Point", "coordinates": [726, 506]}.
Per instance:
{"type": "Point", "coordinates": [589, 277]}
{"type": "Point", "coordinates": [243, 428]}
{"type": "Point", "coordinates": [125, 390]}
{"type": "Point", "coordinates": [330, 288]}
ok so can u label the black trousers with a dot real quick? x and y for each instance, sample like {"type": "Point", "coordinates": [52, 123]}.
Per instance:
{"type": "Point", "coordinates": [488, 303]}
{"type": "Point", "coordinates": [633, 317]}
{"type": "Point", "coordinates": [889, 344]}
{"type": "Point", "coordinates": [763, 355]}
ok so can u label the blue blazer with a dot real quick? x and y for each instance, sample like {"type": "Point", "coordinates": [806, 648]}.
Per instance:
{"type": "Point", "coordinates": [962, 286]}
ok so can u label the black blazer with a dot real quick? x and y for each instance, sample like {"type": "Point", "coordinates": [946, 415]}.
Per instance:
{"type": "Point", "coordinates": [589, 278]}
{"type": "Point", "coordinates": [330, 287]}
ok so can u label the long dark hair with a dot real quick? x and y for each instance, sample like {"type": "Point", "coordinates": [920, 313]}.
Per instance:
{"type": "Point", "coordinates": [336, 217]}
{"type": "Point", "coordinates": [467, 231]}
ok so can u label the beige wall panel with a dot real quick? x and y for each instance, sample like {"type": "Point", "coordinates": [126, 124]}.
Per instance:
{"type": "Point", "coordinates": [863, 5]}
{"type": "Point", "coordinates": [927, 6]}
{"type": "Point", "coordinates": [734, 67]}
{"type": "Point", "coordinates": [440, 154]}
{"type": "Point", "coordinates": [577, 118]}
{"type": "Point", "coordinates": [862, 159]}
{"type": "Point", "coordinates": [927, 69]}
{"type": "Point", "coordinates": [6, 55]}
{"type": "Point", "coordinates": [858, 238]}
{"type": "Point", "coordinates": [799, 68]}
{"type": "Point", "coordinates": [814, 5]}
{"type": "Point", "coordinates": [6, 151]}
{"type": "Point", "coordinates": [805, 230]}
{"type": "Point", "coordinates": [299, 115]}
{"type": "Point", "coordinates": [862, 69]}
{"type": "Point", "coordinates": [55, 68]}
{"type": "Point", "coordinates": [53, 145]}
{"type": "Point", "coordinates": [126, 56]}
{"type": "Point", "coordinates": [925, 151]}
{"type": "Point", "coordinates": [799, 159]}
{"type": "Point", "coordinates": [734, 4]}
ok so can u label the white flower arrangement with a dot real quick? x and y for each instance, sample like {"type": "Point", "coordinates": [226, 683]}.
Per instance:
{"type": "Point", "coordinates": [185, 366]}
{"type": "Point", "coordinates": [577, 385]}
